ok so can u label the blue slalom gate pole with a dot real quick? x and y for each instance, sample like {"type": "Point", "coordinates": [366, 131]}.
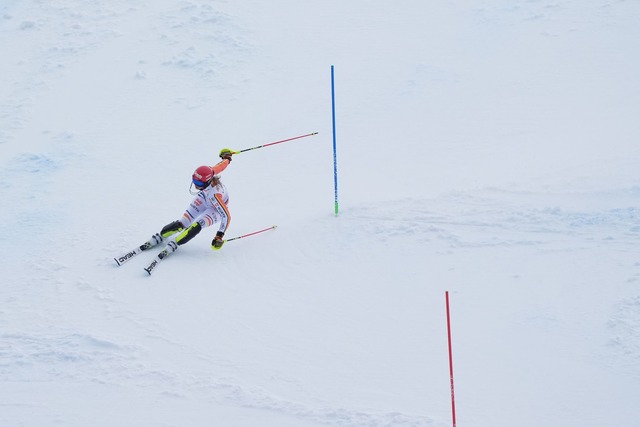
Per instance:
{"type": "Point", "coordinates": [335, 157]}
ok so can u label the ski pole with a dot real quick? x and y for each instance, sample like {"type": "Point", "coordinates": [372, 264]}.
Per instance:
{"type": "Point", "coordinates": [251, 234]}
{"type": "Point", "coordinates": [276, 142]}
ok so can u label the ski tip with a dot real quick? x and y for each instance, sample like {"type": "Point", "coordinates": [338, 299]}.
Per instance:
{"type": "Point", "coordinates": [148, 271]}
{"type": "Point", "coordinates": [117, 262]}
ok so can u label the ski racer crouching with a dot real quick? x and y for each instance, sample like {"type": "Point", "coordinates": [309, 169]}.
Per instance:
{"type": "Point", "coordinates": [207, 208]}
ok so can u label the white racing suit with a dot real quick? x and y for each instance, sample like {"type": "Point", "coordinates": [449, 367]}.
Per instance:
{"type": "Point", "coordinates": [207, 208]}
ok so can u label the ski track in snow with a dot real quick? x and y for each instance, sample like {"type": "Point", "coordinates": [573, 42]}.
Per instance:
{"type": "Point", "coordinates": [29, 358]}
{"type": "Point", "coordinates": [624, 327]}
{"type": "Point", "coordinates": [471, 220]}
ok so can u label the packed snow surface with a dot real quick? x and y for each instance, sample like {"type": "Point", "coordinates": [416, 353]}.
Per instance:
{"type": "Point", "coordinates": [485, 149]}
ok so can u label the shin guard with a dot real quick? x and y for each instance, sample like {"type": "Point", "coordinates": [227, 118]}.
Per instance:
{"type": "Point", "coordinates": [172, 228]}
{"type": "Point", "coordinates": [189, 233]}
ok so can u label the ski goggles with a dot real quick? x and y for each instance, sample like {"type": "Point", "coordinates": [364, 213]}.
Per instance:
{"type": "Point", "coordinates": [200, 183]}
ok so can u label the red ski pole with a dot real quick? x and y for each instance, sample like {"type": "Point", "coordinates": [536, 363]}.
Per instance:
{"type": "Point", "coordinates": [276, 142]}
{"type": "Point", "coordinates": [251, 234]}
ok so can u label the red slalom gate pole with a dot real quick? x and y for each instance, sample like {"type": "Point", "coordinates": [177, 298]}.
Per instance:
{"type": "Point", "coordinates": [453, 400]}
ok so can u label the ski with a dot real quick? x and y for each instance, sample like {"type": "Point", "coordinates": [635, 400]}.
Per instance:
{"type": "Point", "coordinates": [155, 240]}
{"type": "Point", "coordinates": [171, 247]}
{"type": "Point", "coordinates": [126, 257]}
{"type": "Point", "coordinates": [153, 265]}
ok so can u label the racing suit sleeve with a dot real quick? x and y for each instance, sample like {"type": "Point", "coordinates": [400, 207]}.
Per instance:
{"type": "Point", "coordinates": [220, 166]}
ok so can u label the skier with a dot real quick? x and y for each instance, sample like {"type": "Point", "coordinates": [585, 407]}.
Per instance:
{"type": "Point", "coordinates": [207, 208]}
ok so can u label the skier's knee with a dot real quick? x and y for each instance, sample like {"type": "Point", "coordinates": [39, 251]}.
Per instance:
{"type": "Point", "coordinates": [189, 233]}
{"type": "Point", "coordinates": [171, 228]}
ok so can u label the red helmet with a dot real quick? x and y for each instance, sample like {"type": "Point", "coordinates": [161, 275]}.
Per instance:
{"type": "Point", "coordinates": [202, 177]}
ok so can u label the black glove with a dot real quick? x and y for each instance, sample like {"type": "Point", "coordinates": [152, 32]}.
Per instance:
{"type": "Point", "coordinates": [217, 241]}
{"type": "Point", "coordinates": [225, 154]}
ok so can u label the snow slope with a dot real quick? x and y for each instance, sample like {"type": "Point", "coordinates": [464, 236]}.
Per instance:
{"type": "Point", "coordinates": [488, 149]}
